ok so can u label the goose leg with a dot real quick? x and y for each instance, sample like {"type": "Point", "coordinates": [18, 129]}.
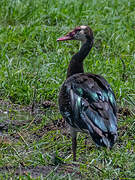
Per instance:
{"type": "Point", "coordinates": [74, 145]}
{"type": "Point", "coordinates": [74, 142]}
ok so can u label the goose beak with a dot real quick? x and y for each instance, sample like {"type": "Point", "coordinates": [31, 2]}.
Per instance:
{"type": "Point", "coordinates": [65, 38]}
{"type": "Point", "coordinates": [69, 36]}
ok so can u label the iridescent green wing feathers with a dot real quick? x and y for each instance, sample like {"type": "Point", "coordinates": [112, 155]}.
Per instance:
{"type": "Point", "coordinates": [93, 107]}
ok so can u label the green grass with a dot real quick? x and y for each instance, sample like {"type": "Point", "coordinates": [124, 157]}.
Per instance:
{"type": "Point", "coordinates": [32, 61]}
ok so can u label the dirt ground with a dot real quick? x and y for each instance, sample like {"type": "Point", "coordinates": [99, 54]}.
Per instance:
{"type": "Point", "coordinates": [46, 171]}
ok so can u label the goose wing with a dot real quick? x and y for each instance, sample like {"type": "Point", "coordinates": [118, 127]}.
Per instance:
{"type": "Point", "coordinates": [93, 107]}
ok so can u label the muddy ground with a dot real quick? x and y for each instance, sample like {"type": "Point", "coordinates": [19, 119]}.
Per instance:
{"type": "Point", "coordinates": [7, 123]}
{"type": "Point", "coordinates": [30, 112]}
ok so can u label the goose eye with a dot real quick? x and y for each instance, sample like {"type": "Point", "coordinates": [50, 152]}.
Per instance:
{"type": "Point", "coordinates": [78, 32]}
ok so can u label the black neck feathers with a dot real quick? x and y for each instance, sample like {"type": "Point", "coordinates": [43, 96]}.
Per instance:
{"type": "Point", "coordinates": [76, 63]}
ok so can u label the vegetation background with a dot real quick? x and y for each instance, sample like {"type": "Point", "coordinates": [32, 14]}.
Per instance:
{"type": "Point", "coordinates": [32, 68]}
